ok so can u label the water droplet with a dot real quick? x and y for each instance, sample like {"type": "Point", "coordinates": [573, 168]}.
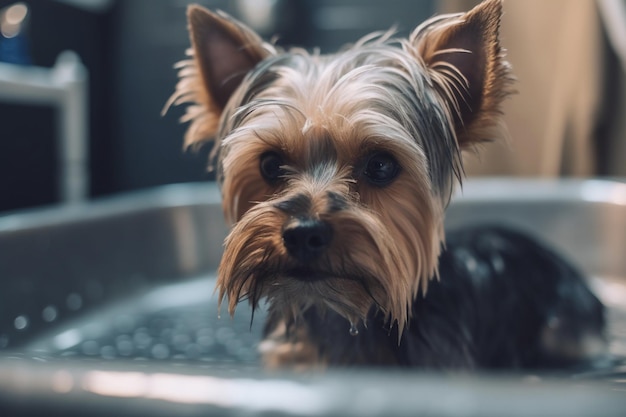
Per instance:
{"type": "Point", "coordinates": [74, 301]}
{"type": "Point", "coordinates": [225, 335]}
{"type": "Point", "coordinates": [4, 341]}
{"type": "Point", "coordinates": [181, 341]}
{"type": "Point", "coordinates": [50, 313]}
{"type": "Point", "coordinates": [142, 339]}
{"type": "Point", "coordinates": [353, 329]}
{"type": "Point", "coordinates": [160, 351]}
{"type": "Point", "coordinates": [498, 263]}
{"type": "Point", "coordinates": [124, 345]}
{"type": "Point", "coordinates": [193, 351]}
{"type": "Point", "coordinates": [205, 337]}
{"type": "Point", "coordinates": [471, 264]}
{"type": "Point", "coordinates": [90, 347]}
{"type": "Point", "coordinates": [108, 352]}
{"type": "Point", "coordinates": [20, 322]}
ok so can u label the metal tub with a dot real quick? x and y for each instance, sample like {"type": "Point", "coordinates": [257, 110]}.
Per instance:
{"type": "Point", "coordinates": [108, 307]}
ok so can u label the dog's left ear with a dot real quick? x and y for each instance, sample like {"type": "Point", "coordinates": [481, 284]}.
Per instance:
{"type": "Point", "coordinates": [223, 52]}
{"type": "Point", "coordinates": [467, 66]}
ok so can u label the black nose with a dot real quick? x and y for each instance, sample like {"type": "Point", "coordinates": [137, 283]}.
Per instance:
{"type": "Point", "coordinates": [306, 239]}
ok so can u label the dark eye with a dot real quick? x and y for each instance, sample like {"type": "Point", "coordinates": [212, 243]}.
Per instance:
{"type": "Point", "coordinates": [271, 166]}
{"type": "Point", "coordinates": [381, 169]}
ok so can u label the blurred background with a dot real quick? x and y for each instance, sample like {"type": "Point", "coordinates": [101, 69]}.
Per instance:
{"type": "Point", "coordinates": [88, 123]}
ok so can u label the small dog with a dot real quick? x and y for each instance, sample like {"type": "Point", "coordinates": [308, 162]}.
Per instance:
{"type": "Point", "coordinates": [335, 171]}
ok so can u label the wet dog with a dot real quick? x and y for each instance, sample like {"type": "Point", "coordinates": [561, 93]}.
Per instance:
{"type": "Point", "coordinates": [335, 172]}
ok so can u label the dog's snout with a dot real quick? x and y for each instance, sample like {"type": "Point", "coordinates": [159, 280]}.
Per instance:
{"type": "Point", "coordinates": [306, 239]}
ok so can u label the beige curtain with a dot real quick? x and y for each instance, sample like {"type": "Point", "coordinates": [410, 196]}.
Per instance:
{"type": "Point", "coordinates": [565, 119]}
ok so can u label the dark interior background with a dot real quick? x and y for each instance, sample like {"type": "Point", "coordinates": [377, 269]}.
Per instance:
{"type": "Point", "coordinates": [129, 48]}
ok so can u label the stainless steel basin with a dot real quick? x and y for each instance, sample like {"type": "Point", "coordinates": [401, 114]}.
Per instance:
{"type": "Point", "coordinates": [108, 307]}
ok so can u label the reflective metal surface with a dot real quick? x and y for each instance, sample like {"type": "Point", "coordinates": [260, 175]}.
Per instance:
{"type": "Point", "coordinates": [107, 307]}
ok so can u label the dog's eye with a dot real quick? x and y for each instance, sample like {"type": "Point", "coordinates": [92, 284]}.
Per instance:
{"type": "Point", "coordinates": [271, 166]}
{"type": "Point", "coordinates": [381, 169]}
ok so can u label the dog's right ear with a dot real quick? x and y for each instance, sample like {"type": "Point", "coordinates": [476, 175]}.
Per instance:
{"type": "Point", "coordinates": [223, 52]}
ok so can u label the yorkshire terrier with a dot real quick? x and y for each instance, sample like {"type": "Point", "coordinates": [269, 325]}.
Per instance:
{"type": "Point", "coordinates": [335, 171]}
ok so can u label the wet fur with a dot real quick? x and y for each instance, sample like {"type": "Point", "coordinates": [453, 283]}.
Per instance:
{"type": "Point", "coordinates": [424, 100]}
{"type": "Point", "coordinates": [503, 301]}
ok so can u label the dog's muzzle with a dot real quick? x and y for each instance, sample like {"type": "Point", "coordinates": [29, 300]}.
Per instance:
{"type": "Point", "coordinates": [306, 239]}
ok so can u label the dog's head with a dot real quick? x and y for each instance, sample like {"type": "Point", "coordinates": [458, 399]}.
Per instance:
{"type": "Point", "coordinates": [335, 170]}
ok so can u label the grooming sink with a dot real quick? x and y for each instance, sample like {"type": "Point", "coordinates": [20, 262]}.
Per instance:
{"type": "Point", "coordinates": [107, 308]}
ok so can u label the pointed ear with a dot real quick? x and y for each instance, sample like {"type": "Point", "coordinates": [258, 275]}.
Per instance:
{"type": "Point", "coordinates": [223, 52]}
{"type": "Point", "coordinates": [226, 50]}
{"type": "Point", "coordinates": [468, 68]}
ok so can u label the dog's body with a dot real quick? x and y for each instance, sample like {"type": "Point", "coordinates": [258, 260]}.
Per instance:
{"type": "Point", "coordinates": [335, 172]}
{"type": "Point", "coordinates": [502, 301]}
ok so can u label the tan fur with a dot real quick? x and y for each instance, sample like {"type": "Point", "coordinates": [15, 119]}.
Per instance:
{"type": "Point", "coordinates": [295, 350]}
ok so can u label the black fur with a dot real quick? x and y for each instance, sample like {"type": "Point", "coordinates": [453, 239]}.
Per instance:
{"type": "Point", "coordinates": [499, 291]}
